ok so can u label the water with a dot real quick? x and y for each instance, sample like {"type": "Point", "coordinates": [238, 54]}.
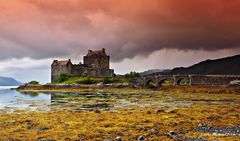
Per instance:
{"type": "Point", "coordinates": [11, 100]}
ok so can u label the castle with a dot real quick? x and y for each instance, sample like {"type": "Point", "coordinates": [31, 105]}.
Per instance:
{"type": "Point", "coordinates": [95, 64]}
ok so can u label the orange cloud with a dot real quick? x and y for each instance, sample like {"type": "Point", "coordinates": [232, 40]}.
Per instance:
{"type": "Point", "coordinates": [126, 28]}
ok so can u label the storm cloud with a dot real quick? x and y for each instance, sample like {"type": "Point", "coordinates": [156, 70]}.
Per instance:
{"type": "Point", "coordinates": [68, 28]}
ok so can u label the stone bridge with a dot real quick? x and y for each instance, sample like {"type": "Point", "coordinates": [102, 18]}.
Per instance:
{"type": "Point", "coordinates": [201, 80]}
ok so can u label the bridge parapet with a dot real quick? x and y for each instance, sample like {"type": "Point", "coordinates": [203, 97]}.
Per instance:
{"type": "Point", "coordinates": [193, 79]}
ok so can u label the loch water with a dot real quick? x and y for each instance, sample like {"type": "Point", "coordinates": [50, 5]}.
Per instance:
{"type": "Point", "coordinates": [11, 100]}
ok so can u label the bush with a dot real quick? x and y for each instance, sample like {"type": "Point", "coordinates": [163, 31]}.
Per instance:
{"type": "Point", "coordinates": [107, 80]}
{"type": "Point", "coordinates": [64, 77]}
{"type": "Point", "coordinates": [86, 80]}
{"type": "Point", "coordinates": [132, 74]}
{"type": "Point", "coordinates": [34, 82]}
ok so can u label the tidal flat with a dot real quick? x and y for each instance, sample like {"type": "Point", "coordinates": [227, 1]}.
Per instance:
{"type": "Point", "coordinates": [170, 113]}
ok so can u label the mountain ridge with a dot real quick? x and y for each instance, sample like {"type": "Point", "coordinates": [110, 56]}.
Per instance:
{"type": "Point", "coordinates": [8, 81]}
{"type": "Point", "coordinates": [227, 65]}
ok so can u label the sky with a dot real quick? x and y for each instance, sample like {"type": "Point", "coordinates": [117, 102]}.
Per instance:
{"type": "Point", "coordinates": [137, 34]}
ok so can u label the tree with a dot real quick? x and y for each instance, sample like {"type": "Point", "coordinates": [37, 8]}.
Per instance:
{"type": "Point", "coordinates": [64, 77]}
{"type": "Point", "coordinates": [132, 74]}
{"type": "Point", "coordinates": [107, 80]}
{"type": "Point", "coordinates": [86, 80]}
{"type": "Point", "coordinates": [34, 82]}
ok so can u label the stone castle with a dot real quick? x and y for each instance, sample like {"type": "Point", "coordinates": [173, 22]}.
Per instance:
{"type": "Point", "coordinates": [95, 64]}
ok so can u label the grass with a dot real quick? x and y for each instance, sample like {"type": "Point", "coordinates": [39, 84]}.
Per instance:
{"type": "Point", "coordinates": [81, 80]}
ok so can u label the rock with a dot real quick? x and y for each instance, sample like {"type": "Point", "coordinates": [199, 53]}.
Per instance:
{"type": "Point", "coordinates": [171, 133]}
{"type": "Point", "coordinates": [123, 85]}
{"type": "Point", "coordinates": [151, 132]}
{"type": "Point", "coordinates": [148, 112]}
{"type": "Point", "coordinates": [97, 111]}
{"type": "Point", "coordinates": [118, 139]}
{"type": "Point", "coordinates": [235, 82]}
{"type": "Point", "coordinates": [160, 111]}
{"type": "Point", "coordinates": [109, 85]}
{"type": "Point", "coordinates": [233, 85]}
{"type": "Point", "coordinates": [100, 84]}
{"type": "Point", "coordinates": [234, 130]}
{"type": "Point", "coordinates": [141, 138]}
{"type": "Point", "coordinates": [171, 111]}
{"type": "Point", "coordinates": [194, 139]}
{"type": "Point", "coordinates": [108, 140]}
{"type": "Point", "coordinates": [136, 86]}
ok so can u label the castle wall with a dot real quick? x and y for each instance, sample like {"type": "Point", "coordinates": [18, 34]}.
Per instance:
{"type": "Point", "coordinates": [100, 72]}
{"type": "Point", "coordinates": [82, 71]}
{"type": "Point", "coordinates": [59, 69]}
{"type": "Point", "coordinates": [79, 70]}
{"type": "Point", "coordinates": [97, 61]}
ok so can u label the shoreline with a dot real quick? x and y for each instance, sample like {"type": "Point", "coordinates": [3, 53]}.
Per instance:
{"type": "Point", "coordinates": [75, 88]}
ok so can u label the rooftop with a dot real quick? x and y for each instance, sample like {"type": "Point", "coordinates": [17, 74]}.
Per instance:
{"type": "Point", "coordinates": [97, 53]}
{"type": "Point", "coordinates": [62, 62]}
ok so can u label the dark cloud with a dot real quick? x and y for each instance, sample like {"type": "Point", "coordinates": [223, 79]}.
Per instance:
{"type": "Point", "coordinates": [58, 28]}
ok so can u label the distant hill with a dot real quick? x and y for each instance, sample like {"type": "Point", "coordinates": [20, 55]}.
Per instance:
{"type": "Point", "coordinates": [229, 65]}
{"type": "Point", "coordinates": [6, 81]}
{"type": "Point", "coordinates": [154, 71]}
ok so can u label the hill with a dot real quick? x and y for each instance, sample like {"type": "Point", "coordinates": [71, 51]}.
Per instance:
{"type": "Point", "coordinates": [229, 65]}
{"type": "Point", "coordinates": [153, 71]}
{"type": "Point", "coordinates": [6, 81]}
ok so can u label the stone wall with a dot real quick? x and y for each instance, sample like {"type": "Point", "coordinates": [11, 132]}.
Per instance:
{"type": "Point", "coordinates": [80, 71]}
{"type": "Point", "coordinates": [99, 72]}
{"type": "Point", "coordinates": [83, 71]}
{"type": "Point", "coordinates": [200, 80]}
{"type": "Point", "coordinates": [97, 61]}
{"type": "Point", "coordinates": [213, 80]}
{"type": "Point", "coordinates": [57, 69]}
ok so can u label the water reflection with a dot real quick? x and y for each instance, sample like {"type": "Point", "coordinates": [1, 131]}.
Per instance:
{"type": "Point", "coordinates": [84, 100]}
{"type": "Point", "coordinates": [12, 101]}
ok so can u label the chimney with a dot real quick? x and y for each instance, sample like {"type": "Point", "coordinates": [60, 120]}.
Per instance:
{"type": "Point", "coordinates": [103, 49]}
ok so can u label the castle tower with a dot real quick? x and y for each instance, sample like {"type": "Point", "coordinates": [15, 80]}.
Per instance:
{"type": "Point", "coordinates": [59, 67]}
{"type": "Point", "coordinates": [97, 59]}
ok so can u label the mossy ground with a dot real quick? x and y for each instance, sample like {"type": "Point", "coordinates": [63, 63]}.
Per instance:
{"type": "Point", "coordinates": [81, 80]}
{"type": "Point", "coordinates": [158, 111]}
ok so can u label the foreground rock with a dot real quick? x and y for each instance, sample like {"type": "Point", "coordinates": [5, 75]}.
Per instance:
{"type": "Point", "coordinates": [233, 131]}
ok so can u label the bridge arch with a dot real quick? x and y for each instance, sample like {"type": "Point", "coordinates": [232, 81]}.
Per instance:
{"type": "Point", "coordinates": [182, 81]}
{"type": "Point", "coordinates": [149, 83]}
{"type": "Point", "coordinates": [201, 80]}
{"type": "Point", "coordinates": [163, 81]}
